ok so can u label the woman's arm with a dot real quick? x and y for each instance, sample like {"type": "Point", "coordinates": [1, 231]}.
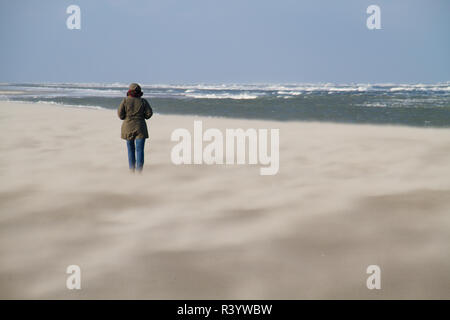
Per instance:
{"type": "Point", "coordinates": [148, 110]}
{"type": "Point", "coordinates": [121, 112]}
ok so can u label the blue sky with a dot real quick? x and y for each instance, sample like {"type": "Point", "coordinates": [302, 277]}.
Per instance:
{"type": "Point", "coordinates": [226, 41]}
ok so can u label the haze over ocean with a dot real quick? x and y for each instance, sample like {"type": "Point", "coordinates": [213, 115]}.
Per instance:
{"type": "Point", "coordinates": [280, 60]}
{"type": "Point", "coordinates": [416, 105]}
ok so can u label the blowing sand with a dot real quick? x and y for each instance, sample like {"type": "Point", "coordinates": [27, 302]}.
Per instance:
{"type": "Point", "coordinates": [345, 197]}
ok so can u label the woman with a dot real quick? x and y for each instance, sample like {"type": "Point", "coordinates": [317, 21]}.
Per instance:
{"type": "Point", "coordinates": [134, 110]}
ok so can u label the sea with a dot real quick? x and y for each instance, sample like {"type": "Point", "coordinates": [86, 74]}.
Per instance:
{"type": "Point", "coordinates": [422, 105]}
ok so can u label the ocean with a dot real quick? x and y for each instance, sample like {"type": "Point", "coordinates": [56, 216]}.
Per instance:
{"type": "Point", "coordinates": [401, 104]}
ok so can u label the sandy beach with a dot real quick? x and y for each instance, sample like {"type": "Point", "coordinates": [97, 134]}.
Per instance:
{"type": "Point", "coordinates": [345, 197]}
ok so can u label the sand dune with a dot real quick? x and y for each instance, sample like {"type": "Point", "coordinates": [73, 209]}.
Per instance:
{"type": "Point", "coordinates": [345, 197]}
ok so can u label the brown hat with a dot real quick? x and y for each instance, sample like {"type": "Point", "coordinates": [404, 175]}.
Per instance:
{"type": "Point", "coordinates": [135, 87]}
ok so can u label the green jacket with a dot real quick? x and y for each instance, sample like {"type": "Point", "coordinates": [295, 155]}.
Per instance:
{"type": "Point", "coordinates": [134, 111]}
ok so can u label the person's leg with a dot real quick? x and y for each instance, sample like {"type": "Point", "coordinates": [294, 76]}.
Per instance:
{"type": "Point", "coordinates": [140, 143]}
{"type": "Point", "coordinates": [131, 154]}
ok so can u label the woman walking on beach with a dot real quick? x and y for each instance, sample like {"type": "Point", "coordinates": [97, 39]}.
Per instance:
{"type": "Point", "coordinates": [134, 110]}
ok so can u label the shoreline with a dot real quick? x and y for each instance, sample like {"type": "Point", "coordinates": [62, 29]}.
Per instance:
{"type": "Point", "coordinates": [395, 125]}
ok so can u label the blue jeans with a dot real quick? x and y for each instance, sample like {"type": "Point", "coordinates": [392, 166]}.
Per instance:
{"type": "Point", "coordinates": [136, 154]}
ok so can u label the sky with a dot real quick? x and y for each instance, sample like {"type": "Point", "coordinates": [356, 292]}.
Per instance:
{"type": "Point", "coordinates": [226, 41]}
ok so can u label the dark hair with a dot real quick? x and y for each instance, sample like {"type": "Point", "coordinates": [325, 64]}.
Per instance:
{"type": "Point", "coordinates": [137, 93]}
